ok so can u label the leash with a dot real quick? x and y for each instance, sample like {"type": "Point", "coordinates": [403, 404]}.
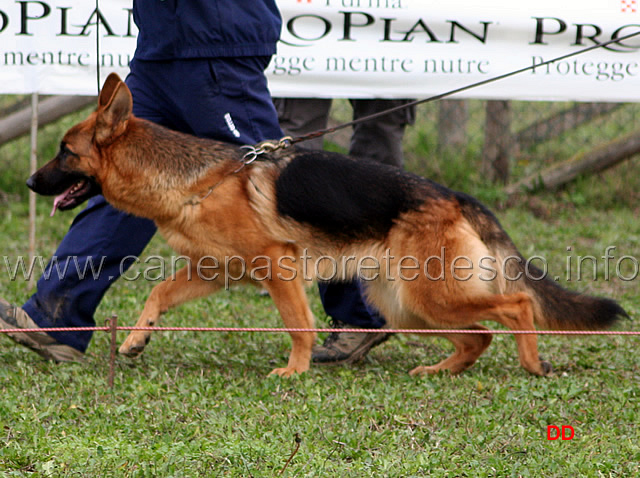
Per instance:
{"type": "Point", "coordinates": [256, 152]}
{"type": "Point", "coordinates": [316, 134]}
{"type": "Point", "coordinates": [270, 146]}
{"type": "Point", "coordinates": [285, 142]}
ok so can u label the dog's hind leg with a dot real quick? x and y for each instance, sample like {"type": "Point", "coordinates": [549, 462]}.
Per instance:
{"type": "Point", "coordinates": [514, 311]}
{"type": "Point", "coordinates": [171, 292]}
{"type": "Point", "coordinates": [468, 348]}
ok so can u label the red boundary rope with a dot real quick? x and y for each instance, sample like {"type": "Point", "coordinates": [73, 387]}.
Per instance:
{"type": "Point", "coordinates": [113, 328]}
{"type": "Point", "coordinates": [280, 330]}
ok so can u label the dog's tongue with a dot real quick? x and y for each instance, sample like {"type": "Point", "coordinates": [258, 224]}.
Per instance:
{"type": "Point", "coordinates": [66, 198]}
{"type": "Point", "coordinates": [57, 201]}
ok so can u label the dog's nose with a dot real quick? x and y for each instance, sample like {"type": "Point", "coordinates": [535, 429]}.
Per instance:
{"type": "Point", "coordinates": [31, 182]}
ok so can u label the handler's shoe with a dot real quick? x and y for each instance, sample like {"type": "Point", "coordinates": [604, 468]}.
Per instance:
{"type": "Point", "coordinates": [15, 318]}
{"type": "Point", "coordinates": [346, 347]}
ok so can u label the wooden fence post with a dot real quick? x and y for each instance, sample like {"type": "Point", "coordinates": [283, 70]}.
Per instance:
{"type": "Point", "coordinates": [33, 166]}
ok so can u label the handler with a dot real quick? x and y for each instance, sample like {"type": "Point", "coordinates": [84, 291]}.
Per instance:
{"type": "Point", "coordinates": [199, 69]}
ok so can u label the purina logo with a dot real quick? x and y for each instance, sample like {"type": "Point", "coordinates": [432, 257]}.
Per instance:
{"type": "Point", "coordinates": [629, 6]}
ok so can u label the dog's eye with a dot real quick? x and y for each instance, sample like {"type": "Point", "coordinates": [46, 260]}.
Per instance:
{"type": "Point", "coordinates": [64, 150]}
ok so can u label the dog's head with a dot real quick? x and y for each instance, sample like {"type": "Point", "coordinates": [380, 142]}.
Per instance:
{"type": "Point", "coordinates": [73, 176]}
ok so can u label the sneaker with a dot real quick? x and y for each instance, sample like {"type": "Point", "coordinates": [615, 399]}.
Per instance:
{"type": "Point", "coordinates": [346, 347]}
{"type": "Point", "coordinates": [15, 318]}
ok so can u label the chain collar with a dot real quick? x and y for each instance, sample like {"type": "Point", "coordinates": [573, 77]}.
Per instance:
{"type": "Point", "coordinates": [253, 154]}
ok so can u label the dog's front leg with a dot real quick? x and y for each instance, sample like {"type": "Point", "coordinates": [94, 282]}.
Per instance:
{"type": "Point", "coordinates": [171, 292]}
{"type": "Point", "coordinates": [291, 300]}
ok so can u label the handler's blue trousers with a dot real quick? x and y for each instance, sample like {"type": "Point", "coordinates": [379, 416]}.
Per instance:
{"type": "Point", "coordinates": [223, 98]}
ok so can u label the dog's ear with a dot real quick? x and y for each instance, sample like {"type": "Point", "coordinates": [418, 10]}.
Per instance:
{"type": "Point", "coordinates": [113, 115]}
{"type": "Point", "coordinates": [108, 88]}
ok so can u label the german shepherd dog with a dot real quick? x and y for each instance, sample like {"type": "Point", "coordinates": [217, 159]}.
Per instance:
{"type": "Point", "coordinates": [429, 257]}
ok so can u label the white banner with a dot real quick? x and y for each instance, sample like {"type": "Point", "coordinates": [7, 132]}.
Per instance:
{"type": "Point", "coordinates": [358, 48]}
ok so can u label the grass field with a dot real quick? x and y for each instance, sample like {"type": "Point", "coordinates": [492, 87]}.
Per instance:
{"type": "Point", "coordinates": [202, 404]}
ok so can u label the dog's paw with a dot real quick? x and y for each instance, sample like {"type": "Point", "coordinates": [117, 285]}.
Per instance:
{"type": "Point", "coordinates": [547, 369]}
{"type": "Point", "coordinates": [286, 371]}
{"type": "Point", "coordinates": [134, 346]}
{"type": "Point", "coordinates": [131, 352]}
{"type": "Point", "coordinates": [426, 370]}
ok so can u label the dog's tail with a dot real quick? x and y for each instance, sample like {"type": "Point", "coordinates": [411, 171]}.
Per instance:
{"type": "Point", "coordinates": [557, 308]}
{"type": "Point", "coordinates": [554, 307]}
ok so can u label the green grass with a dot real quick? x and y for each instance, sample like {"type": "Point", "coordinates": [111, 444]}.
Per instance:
{"type": "Point", "coordinates": [202, 404]}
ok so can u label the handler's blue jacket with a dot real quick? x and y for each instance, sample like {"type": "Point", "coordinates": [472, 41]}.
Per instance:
{"type": "Point", "coordinates": [179, 29]}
